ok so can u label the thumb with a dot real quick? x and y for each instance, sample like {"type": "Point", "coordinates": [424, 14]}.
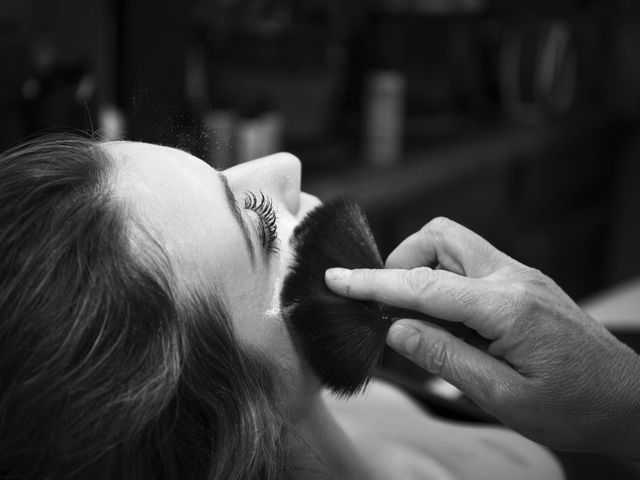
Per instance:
{"type": "Point", "coordinates": [479, 375]}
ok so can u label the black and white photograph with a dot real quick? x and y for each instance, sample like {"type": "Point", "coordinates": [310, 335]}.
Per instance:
{"type": "Point", "coordinates": [319, 239]}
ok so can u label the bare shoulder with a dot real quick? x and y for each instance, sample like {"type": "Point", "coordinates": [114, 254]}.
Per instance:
{"type": "Point", "coordinates": [389, 424]}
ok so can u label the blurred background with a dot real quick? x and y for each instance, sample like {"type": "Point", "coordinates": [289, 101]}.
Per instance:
{"type": "Point", "coordinates": [518, 119]}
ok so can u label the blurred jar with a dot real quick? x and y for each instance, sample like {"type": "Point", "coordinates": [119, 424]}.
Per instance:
{"type": "Point", "coordinates": [384, 112]}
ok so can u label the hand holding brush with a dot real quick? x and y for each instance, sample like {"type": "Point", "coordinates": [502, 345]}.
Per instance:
{"type": "Point", "coordinates": [342, 339]}
{"type": "Point", "coordinates": [550, 372]}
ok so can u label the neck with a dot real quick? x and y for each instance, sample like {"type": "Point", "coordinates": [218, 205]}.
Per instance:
{"type": "Point", "coordinates": [320, 448]}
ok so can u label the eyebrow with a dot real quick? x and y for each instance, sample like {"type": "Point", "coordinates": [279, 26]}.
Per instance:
{"type": "Point", "coordinates": [235, 209]}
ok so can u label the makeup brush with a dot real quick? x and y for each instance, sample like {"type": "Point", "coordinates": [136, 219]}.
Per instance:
{"type": "Point", "coordinates": [342, 339]}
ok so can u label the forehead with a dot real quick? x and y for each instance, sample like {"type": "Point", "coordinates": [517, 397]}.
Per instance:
{"type": "Point", "coordinates": [161, 183]}
{"type": "Point", "coordinates": [179, 201]}
{"type": "Point", "coordinates": [144, 167]}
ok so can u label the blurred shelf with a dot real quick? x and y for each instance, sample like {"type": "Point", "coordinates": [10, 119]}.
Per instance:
{"type": "Point", "coordinates": [428, 169]}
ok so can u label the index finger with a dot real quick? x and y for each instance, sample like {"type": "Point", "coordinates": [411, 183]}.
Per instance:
{"type": "Point", "coordinates": [449, 244]}
{"type": "Point", "coordinates": [437, 293]}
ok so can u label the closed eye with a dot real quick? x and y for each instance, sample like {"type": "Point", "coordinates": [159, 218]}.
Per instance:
{"type": "Point", "coordinates": [262, 206]}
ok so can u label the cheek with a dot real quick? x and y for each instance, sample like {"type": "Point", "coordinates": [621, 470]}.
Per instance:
{"type": "Point", "coordinates": [261, 299]}
{"type": "Point", "coordinates": [256, 300]}
{"type": "Point", "coordinates": [249, 304]}
{"type": "Point", "coordinates": [260, 325]}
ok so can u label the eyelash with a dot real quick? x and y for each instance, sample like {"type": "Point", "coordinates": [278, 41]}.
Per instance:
{"type": "Point", "coordinates": [263, 207]}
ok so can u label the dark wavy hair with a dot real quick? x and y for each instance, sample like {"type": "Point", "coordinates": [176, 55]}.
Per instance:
{"type": "Point", "coordinates": [104, 372]}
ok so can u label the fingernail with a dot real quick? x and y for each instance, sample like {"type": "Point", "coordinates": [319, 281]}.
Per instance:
{"type": "Point", "coordinates": [403, 338]}
{"type": "Point", "coordinates": [336, 274]}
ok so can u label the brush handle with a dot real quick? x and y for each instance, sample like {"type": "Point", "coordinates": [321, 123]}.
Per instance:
{"type": "Point", "coordinates": [457, 329]}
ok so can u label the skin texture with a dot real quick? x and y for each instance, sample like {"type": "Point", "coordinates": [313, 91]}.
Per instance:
{"type": "Point", "coordinates": [551, 371]}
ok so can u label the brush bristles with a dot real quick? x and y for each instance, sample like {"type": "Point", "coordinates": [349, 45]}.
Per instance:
{"type": "Point", "coordinates": [341, 339]}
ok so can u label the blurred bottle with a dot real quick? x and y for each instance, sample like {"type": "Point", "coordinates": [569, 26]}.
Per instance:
{"type": "Point", "coordinates": [259, 132]}
{"type": "Point", "coordinates": [384, 112]}
{"type": "Point", "coordinates": [111, 123]}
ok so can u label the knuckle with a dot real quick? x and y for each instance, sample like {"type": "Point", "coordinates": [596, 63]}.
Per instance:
{"type": "Point", "coordinates": [502, 394]}
{"type": "Point", "coordinates": [519, 291]}
{"type": "Point", "coordinates": [366, 276]}
{"type": "Point", "coordinates": [435, 357]}
{"type": "Point", "coordinates": [438, 226]}
{"type": "Point", "coordinates": [527, 294]}
{"type": "Point", "coordinates": [535, 277]}
{"type": "Point", "coordinates": [531, 277]}
{"type": "Point", "coordinates": [417, 282]}
{"type": "Point", "coordinates": [470, 298]}
{"type": "Point", "coordinates": [520, 298]}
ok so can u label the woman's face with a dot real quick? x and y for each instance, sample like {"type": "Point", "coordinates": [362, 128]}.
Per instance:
{"type": "Point", "coordinates": [218, 230]}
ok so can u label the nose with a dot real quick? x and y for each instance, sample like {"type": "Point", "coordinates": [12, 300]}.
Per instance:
{"type": "Point", "coordinates": [277, 176]}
